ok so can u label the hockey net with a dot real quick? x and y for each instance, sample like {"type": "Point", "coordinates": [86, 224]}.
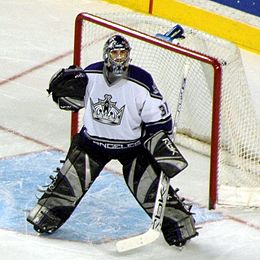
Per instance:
{"type": "Point", "coordinates": [217, 118]}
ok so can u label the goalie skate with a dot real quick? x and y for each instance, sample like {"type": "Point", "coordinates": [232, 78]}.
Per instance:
{"type": "Point", "coordinates": [43, 220]}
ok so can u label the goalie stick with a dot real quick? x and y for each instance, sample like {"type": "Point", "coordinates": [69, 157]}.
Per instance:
{"type": "Point", "coordinates": [162, 192]}
{"type": "Point", "coordinates": [175, 32]}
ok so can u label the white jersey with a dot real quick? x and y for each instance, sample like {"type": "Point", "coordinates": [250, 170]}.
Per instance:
{"type": "Point", "coordinates": [117, 112]}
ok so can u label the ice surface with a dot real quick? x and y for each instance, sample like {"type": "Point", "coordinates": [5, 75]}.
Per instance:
{"type": "Point", "coordinates": [31, 127]}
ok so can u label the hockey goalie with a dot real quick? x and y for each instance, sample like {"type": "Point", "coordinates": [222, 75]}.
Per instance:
{"type": "Point", "coordinates": [127, 119]}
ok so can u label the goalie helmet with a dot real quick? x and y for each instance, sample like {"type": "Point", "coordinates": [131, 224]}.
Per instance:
{"type": "Point", "coordinates": [116, 55]}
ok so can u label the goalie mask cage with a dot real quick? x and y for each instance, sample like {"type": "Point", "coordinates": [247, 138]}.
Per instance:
{"type": "Point", "coordinates": [217, 117]}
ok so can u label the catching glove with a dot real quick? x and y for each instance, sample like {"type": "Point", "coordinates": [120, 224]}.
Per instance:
{"type": "Point", "coordinates": [67, 87]}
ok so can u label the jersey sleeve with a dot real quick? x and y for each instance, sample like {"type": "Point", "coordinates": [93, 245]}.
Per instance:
{"type": "Point", "coordinates": [155, 112]}
{"type": "Point", "coordinates": [156, 115]}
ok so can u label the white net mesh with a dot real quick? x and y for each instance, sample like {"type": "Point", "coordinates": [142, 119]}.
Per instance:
{"type": "Point", "coordinates": [239, 145]}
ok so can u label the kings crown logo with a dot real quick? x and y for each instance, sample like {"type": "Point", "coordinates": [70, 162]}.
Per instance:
{"type": "Point", "coordinates": [106, 112]}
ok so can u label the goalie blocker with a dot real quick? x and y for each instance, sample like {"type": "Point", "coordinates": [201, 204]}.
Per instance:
{"type": "Point", "coordinates": [165, 154]}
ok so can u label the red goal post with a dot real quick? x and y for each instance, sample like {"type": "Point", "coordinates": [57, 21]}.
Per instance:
{"type": "Point", "coordinates": [217, 120]}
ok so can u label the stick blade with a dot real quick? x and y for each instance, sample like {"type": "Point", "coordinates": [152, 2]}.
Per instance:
{"type": "Point", "coordinates": [137, 241]}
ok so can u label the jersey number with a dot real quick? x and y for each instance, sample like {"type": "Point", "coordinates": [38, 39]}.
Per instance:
{"type": "Point", "coordinates": [164, 109]}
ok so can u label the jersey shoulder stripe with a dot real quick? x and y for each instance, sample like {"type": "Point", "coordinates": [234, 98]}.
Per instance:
{"type": "Point", "coordinates": [96, 67]}
{"type": "Point", "coordinates": [135, 74]}
{"type": "Point", "coordinates": [144, 79]}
